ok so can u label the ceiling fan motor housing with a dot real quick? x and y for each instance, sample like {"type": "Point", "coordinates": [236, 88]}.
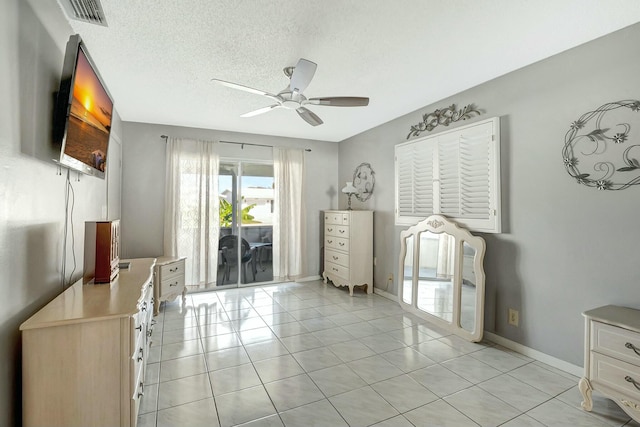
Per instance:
{"type": "Point", "coordinates": [291, 100]}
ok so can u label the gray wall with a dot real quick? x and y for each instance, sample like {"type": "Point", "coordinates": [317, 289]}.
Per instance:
{"type": "Point", "coordinates": [143, 180]}
{"type": "Point", "coordinates": [32, 208]}
{"type": "Point", "coordinates": [565, 247]}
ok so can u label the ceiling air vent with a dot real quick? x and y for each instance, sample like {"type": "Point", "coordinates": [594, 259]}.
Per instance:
{"type": "Point", "coordinates": [84, 10]}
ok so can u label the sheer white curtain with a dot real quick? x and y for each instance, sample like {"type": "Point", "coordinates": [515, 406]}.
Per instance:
{"type": "Point", "coordinates": [289, 214]}
{"type": "Point", "coordinates": [191, 224]}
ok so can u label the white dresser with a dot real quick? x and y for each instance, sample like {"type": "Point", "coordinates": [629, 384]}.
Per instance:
{"type": "Point", "coordinates": [169, 281]}
{"type": "Point", "coordinates": [612, 357]}
{"type": "Point", "coordinates": [348, 249]}
{"type": "Point", "coordinates": [84, 353]}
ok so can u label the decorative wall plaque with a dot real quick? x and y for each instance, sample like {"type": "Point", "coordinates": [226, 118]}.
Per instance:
{"type": "Point", "coordinates": [442, 117]}
{"type": "Point", "coordinates": [598, 150]}
{"type": "Point", "coordinates": [364, 179]}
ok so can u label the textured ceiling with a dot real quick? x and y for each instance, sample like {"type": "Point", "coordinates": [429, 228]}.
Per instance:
{"type": "Point", "coordinates": [157, 57]}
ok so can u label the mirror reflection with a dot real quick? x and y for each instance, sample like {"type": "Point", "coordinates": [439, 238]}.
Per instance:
{"type": "Point", "coordinates": [442, 275]}
{"type": "Point", "coordinates": [435, 278]}
{"type": "Point", "coordinates": [407, 295]}
{"type": "Point", "coordinates": [468, 294]}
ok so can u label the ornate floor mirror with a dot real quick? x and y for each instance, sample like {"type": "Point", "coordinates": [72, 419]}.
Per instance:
{"type": "Point", "coordinates": [441, 266]}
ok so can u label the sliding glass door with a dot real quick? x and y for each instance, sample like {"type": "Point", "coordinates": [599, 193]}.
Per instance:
{"type": "Point", "coordinates": [246, 223]}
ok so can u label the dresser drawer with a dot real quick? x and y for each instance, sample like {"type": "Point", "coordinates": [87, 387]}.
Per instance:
{"type": "Point", "coordinates": [336, 230]}
{"type": "Point", "coordinates": [616, 375]}
{"type": "Point", "coordinates": [336, 269]}
{"type": "Point", "coordinates": [332, 242]}
{"type": "Point", "coordinates": [146, 295]}
{"type": "Point", "coordinates": [136, 396]}
{"type": "Point", "coordinates": [138, 356]}
{"type": "Point", "coordinates": [337, 257]}
{"type": "Point", "coordinates": [172, 269]}
{"type": "Point", "coordinates": [145, 306]}
{"type": "Point", "coordinates": [339, 218]}
{"type": "Point", "coordinates": [616, 342]}
{"type": "Point", "coordinates": [172, 284]}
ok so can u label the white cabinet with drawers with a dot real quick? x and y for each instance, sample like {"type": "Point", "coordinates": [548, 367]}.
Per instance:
{"type": "Point", "coordinates": [348, 249]}
{"type": "Point", "coordinates": [612, 357]}
{"type": "Point", "coordinates": [84, 353]}
{"type": "Point", "coordinates": [169, 278]}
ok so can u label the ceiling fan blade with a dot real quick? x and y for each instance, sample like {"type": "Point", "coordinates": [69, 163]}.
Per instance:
{"type": "Point", "coordinates": [309, 116]}
{"type": "Point", "coordinates": [302, 75]}
{"type": "Point", "coordinates": [245, 88]}
{"type": "Point", "coordinates": [260, 111]}
{"type": "Point", "coordinates": [339, 101]}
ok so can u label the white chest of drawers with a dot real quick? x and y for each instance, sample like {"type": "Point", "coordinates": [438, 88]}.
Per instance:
{"type": "Point", "coordinates": [348, 249]}
{"type": "Point", "coordinates": [84, 353]}
{"type": "Point", "coordinates": [612, 357]}
{"type": "Point", "coordinates": [169, 280]}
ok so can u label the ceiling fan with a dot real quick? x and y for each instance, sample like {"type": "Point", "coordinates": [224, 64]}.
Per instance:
{"type": "Point", "coordinates": [292, 98]}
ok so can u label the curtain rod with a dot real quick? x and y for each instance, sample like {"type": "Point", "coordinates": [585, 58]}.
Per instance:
{"type": "Point", "coordinates": [238, 143]}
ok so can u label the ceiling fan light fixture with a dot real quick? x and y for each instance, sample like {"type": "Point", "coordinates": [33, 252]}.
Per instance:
{"type": "Point", "coordinates": [291, 98]}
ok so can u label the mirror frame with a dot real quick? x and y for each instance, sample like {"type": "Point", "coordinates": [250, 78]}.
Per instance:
{"type": "Point", "coordinates": [439, 224]}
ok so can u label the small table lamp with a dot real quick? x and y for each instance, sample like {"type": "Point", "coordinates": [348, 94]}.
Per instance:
{"type": "Point", "coordinates": [349, 190]}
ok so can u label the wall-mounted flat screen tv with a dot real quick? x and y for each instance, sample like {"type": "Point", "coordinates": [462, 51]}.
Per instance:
{"type": "Point", "coordinates": [83, 112]}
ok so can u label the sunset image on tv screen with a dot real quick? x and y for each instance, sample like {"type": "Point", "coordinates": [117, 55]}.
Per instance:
{"type": "Point", "coordinates": [90, 119]}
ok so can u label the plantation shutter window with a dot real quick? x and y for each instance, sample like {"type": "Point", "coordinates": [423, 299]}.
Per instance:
{"type": "Point", "coordinates": [454, 173]}
{"type": "Point", "coordinates": [415, 181]}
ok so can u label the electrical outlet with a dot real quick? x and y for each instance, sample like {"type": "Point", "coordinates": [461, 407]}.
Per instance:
{"type": "Point", "coordinates": [514, 317]}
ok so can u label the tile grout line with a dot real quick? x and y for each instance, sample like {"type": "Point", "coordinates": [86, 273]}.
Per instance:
{"type": "Point", "coordinates": [318, 295]}
{"type": "Point", "coordinates": [206, 365]}
{"type": "Point", "coordinates": [256, 371]}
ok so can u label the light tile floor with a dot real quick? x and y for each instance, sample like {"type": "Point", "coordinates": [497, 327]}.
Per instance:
{"type": "Point", "coordinates": [310, 355]}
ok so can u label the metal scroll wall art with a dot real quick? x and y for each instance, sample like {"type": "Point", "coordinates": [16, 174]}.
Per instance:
{"type": "Point", "coordinates": [442, 117]}
{"type": "Point", "coordinates": [364, 179]}
{"type": "Point", "coordinates": [600, 142]}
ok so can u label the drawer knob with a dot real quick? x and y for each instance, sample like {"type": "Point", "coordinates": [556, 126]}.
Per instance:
{"type": "Point", "coordinates": [141, 355]}
{"type": "Point", "coordinates": [341, 244]}
{"type": "Point", "coordinates": [329, 229]}
{"type": "Point", "coordinates": [342, 231]}
{"type": "Point", "coordinates": [632, 381]}
{"type": "Point", "coordinates": [632, 347]}
{"type": "Point", "coordinates": [139, 328]}
{"type": "Point", "coordinates": [335, 257]}
{"type": "Point", "coordinates": [173, 270]}
{"type": "Point", "coordinates": [141, 392]}
{"type": "Point", "coordinates": [334, 269]}
{"type": "Point", "coordinates": [173, 284]}
{"type": "Point", "coordinates": [329, 241]}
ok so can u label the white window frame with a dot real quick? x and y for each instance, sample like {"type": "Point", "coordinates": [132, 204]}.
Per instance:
{"type": "Point", "coordinates": [423, 177]}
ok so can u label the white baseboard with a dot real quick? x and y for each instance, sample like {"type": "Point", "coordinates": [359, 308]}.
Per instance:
{"type": "Point", "coordinates": [309, 278]}
{"type": "Point", "coordinates": [385, 294]}
{"type": "Point", "coordinates": [578, 371]}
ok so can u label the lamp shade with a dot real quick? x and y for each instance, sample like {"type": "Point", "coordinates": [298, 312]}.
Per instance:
{"type": "Point", "coordinates": [349, 188]}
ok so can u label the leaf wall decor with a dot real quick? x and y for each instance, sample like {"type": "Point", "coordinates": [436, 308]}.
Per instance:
{"type": "Point", "coordinates": [602, 157]}
{"type": "Point", "coordinates": [443, 117]}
